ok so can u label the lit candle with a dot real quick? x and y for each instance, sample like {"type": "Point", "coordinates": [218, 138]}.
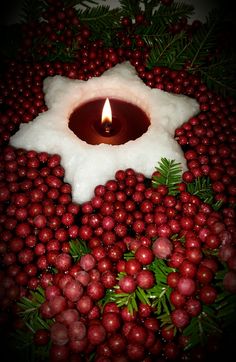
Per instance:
{"type": "Point", "coordinates": [110, 121]}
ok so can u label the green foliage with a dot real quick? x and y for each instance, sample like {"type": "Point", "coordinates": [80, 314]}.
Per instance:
{"type": "Point", "coordinates": [129, 255]}
{"type": "Point", "coordinates": [101, 20]}
{"type": "Point", "coordinates": [198, 50]}
{"type": "Point", "coordinates": [168, 50]}
{"type": "Point", "coordinates": [169, 174]}
{"type": "Point", "coordinates": [215, 319]}
{"type": "Point", "coordinates": [219, 75]}
{"type": "Point", "coordinates": [173, 13]}
{"type": "Point", "coordinates": [85, 3]}
{"type": "Point", "coordinates": [30, 311]}
{"type": "Point", "coordinates": [151, 35]}
{"type": "Point", "coordinates": [130, 300]}
{"type": "Point", "coordinates": [202, 188]}
{"type": "Point", "coordinates": [130, 7]}
{"type": "Point", "coordinates": [78, 248]}
{"type": "Point", "coordinates": [201, 327]}
{"type": "Point", "coordinates": [159, 295]}
{"type": "Point", "coordinates": [149, 6]}
{"type": "Point", "coordinates": [32, 10]}
{"type": "Point", "coordinates": [204, 40]}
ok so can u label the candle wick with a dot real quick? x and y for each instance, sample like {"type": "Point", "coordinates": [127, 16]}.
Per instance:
{"type": "Point", "coordinates": [107, 125]}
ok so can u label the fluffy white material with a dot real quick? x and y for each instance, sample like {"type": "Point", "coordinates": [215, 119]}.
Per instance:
{"type": "Point", "coordinates": [87, 166]}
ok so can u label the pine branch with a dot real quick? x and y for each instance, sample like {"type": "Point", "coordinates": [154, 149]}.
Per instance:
{"type": "Point", "coordinates": [32, 10]}
{"type": "Point", "coordinates": [172, 13]}
{"type": "Point", "coordinates": [152, 33]}
{"type": "Point", "coordinates": [166, 50]}
{"type": "Point", "coordinates": [84, 3]}
{"type": "Point", "coordinates": [101, 20]}
{"type": "Point", "coordinates": [149, 7]}
{"type": "Point", "coordinates": [78, 248]}
{"type": "Point", "coordinates": [29, 311]}
{"type": "Point", "coordinates": [204, 40]}
{"type": "Point", "coordinates": [202, 188]}
{"type": "Point", "coordinates": [170, 175]}
{"type": "Point", "coordinates": [159, 295]}
{"type": "Point", "coordinates": [201, 327]}
{"type": "Point", "coordinates": [130, 300]}
{"type": "Point", "coordinates": [130, 7]}
{"type": "Point", "coordinates": [220, 74]}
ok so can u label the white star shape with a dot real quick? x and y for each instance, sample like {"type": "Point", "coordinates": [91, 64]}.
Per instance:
{"type": "Point", "coordinates": [87, 166]}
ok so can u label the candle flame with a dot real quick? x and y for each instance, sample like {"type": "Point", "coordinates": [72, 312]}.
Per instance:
{"type": "Point", "coordinates": [106, 113]}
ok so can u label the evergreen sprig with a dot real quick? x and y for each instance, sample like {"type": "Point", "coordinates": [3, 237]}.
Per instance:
{"type": "Point", "coordinates": [78, 248]}
{"type": "Point", "coordinates": [159, 295]}
{"type": "Point", "coordinates": [202, 188]}
{"type": "Point", "coordinates": [173, 13]}
{"type": "Point", "coordinates": [99, 18]}
{"type": "Point", "coordinates": [215, 319]}
{"type": "Point", "coordinates": [167, 50]}
{"type": "Point", "coordinates": [151, 35]}
{"type": "Point", "coordinates": [219, 75]}
{"type": "Point", "coordinates": [84, 3]}
{"type": "Point", "coordinates": [204, 40]}
{"type": "Point", "coordinates": [170, 174]}
{"type": "Point", "coordinates": [129, 300]}
{"type": "Point", "coordinates": [130, 7]}
{"type": "Point", "coordinates": [32, 10]}
{"type": "Point", "coordinates": [30, 311]}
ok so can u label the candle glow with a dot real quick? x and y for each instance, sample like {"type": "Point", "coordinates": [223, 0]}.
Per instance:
{"type": "Point", "coordinates": [106, 119]}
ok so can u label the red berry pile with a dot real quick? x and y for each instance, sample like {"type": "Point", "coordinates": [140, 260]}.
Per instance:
{"type": "Point", "coordinates": [144, 250]}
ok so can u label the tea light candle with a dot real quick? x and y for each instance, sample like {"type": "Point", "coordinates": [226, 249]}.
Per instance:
{"type": "Point", "coordinates": [90, 162]}
{"type": "Point", "coordinates": [113, 121]}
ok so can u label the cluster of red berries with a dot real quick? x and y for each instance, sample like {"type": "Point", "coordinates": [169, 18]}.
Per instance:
{"type": "Point", "coordinates": [38, 217]}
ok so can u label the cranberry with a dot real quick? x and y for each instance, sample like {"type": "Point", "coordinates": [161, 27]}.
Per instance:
{"type": "Point", "coordinates": [144, 255]}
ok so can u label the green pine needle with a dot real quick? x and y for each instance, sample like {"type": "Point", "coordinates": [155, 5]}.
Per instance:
{"type": "Point", "coordinates": [30, 311]}
{"type": "Point", "coordinates": [32, 10]}
{"type": "Point", "coordinates": [202, 188]}
{"type": "Point", "coordinates": [204, 40]}
{"type": "Point", "coordinates": [170, 175]}
{"type": "Point", "coordinates": [78, 248]}
{"type": "Point", "coordinates": [99, 17]}
{"type": "Point", "coordinates": [173, 13]}
{"type": "Point", "coordinates": [130, 7]}
{"type": "Point", "coordinates": [167, 51]}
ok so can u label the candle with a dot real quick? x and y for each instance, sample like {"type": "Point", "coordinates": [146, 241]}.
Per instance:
{"type": "Point", "coordinates": [125, 122]}
{"type": "Point", "coordinates": [92, 155]}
